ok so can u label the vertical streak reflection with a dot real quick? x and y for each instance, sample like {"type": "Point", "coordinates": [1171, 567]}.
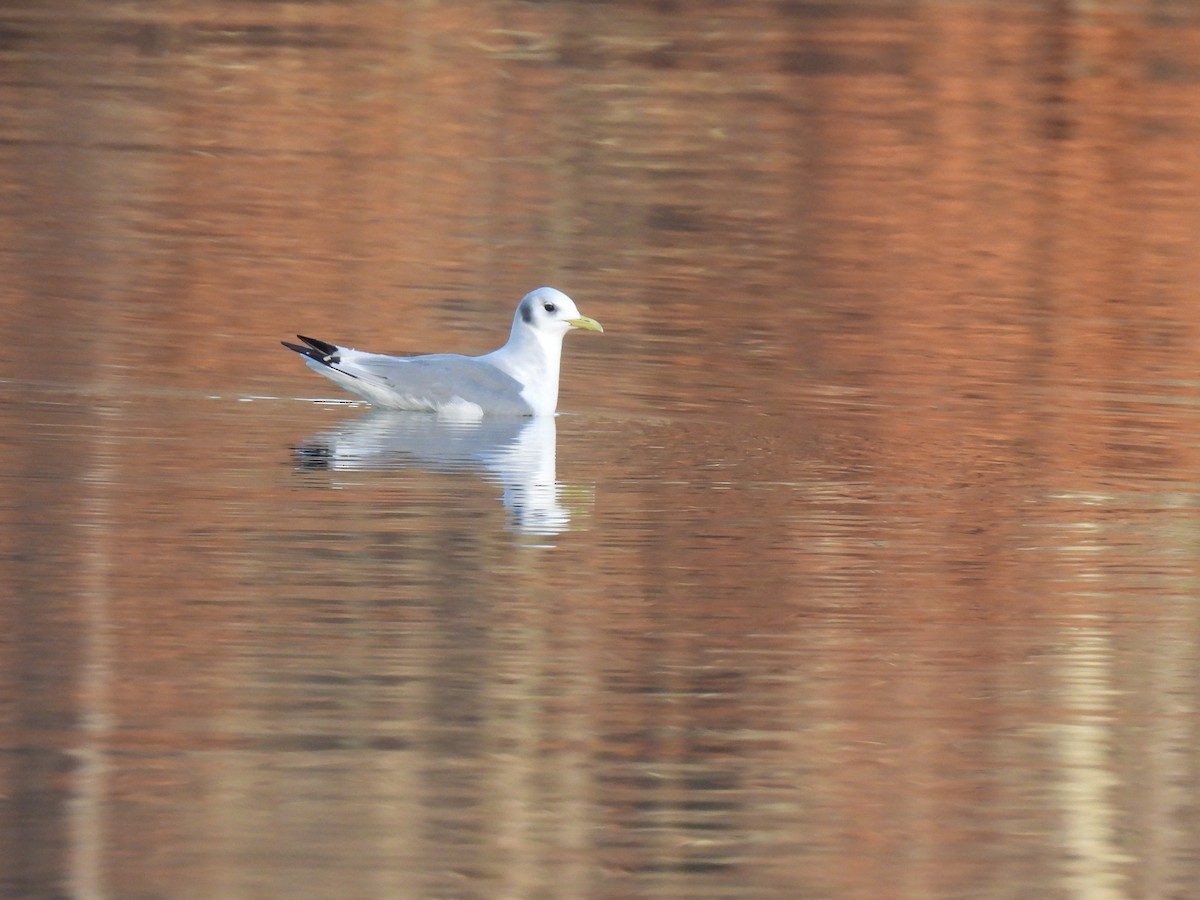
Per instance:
{"type": "Point", "coordinates": [85, 856]}
{"type": "Point", "coordinates": [1087, 781]}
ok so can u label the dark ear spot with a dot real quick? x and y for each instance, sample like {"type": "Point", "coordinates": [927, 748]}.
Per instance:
{"type": "Point", "coordinates": [526, 313]}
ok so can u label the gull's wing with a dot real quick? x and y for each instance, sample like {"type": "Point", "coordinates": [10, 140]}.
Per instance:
{"type": "Point", "coordinates": [440, 382]}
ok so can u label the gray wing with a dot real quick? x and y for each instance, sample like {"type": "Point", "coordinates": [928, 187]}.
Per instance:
{"type": "Point", "coordinates": [431, 382]}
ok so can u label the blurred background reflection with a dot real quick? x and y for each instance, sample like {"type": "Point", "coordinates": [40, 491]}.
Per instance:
{"type": "Point", "coordinates": [863, 559]}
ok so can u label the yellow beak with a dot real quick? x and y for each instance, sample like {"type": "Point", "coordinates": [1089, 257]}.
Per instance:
{"type": "Point", "coordinates": [585, 323]}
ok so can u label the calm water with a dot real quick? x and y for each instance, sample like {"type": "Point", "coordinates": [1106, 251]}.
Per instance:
{"type": "Point", "coordinates": [864, 557]}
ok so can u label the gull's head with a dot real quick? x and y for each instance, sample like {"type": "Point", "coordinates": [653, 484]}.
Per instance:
{"type": "Point", "coordinates": [551, 313]}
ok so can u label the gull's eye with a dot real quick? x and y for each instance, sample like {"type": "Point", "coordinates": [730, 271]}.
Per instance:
{"type": "Point", "coordinates": [550, 307]}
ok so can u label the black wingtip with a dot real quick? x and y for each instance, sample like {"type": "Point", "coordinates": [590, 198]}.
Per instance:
{"type": "Point", "coordinates": [325, 347]}
{"type": "Point", "coordinates": [321, 351]}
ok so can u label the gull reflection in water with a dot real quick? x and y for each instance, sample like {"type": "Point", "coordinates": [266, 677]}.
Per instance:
{"type": "Point", "coordinates": [517, 454]}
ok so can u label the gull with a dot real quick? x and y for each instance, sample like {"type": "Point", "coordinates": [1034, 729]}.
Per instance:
{"type": "Point", "coordinates": [519, 379]}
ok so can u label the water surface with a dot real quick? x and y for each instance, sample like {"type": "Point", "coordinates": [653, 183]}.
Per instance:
{"type": "Point", "coordinates": [861, 561]}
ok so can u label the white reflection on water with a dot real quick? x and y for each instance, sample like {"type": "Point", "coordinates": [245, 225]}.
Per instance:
{"type": "Point", "coordinates": [517, 454]}
{"type": "Point", "coordinates": [1085, 747]}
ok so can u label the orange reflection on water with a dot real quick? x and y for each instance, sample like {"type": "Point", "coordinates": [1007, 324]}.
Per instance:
{"type": "Point", "coordinates": [861, 562]}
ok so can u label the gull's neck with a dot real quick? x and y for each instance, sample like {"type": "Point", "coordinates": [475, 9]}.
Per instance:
{"type": "Point", "coordinates": [532, 357]}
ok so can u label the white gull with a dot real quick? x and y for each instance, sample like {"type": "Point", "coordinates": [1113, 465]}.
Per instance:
{"type": "Point", "coordinates": [519, 379]}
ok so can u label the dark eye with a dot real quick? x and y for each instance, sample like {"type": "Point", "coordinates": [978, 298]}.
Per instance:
{"type": "Point", "coordinates": [549, 307]}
